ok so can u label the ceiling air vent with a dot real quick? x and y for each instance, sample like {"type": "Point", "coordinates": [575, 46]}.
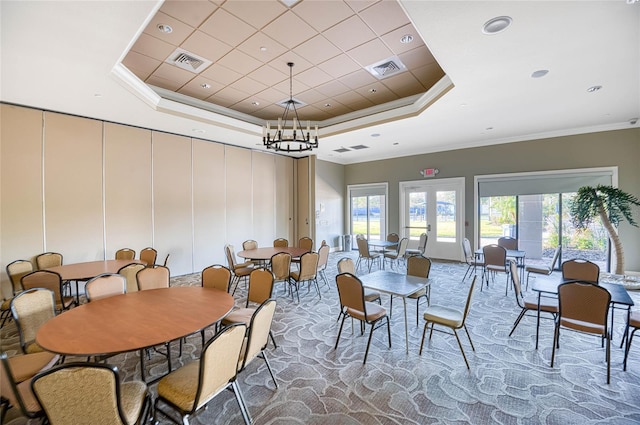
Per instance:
{"type": "Point", "coordinates": [342, 150]}
{"type": "Point", "coordinates": [358, 147]}
{"type": "Point", "coordinates": [386, 68]}
{"type": "Point", "coordinates": [188, 61]}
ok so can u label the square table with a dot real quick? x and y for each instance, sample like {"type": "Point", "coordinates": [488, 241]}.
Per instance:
{"type": "Point", "coordinates": [619, 295]}
{"type": "Point", "coordinates": [396, 284]}
{"type": "Point", "coordinates": [513, 253]}
{"type": "Point", "coordinates": [384, 245]}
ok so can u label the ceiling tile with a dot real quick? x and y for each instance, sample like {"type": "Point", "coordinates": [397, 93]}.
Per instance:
{"type": "Point", "coordinates": [382, 94]}
{"type": "Point", "coordinates": [384, 16]}
{"type": "Point", "coordinates": [240, 62]}
{"type": "Point", "coordinates": [180, 30]}
{"type": "Point", "coordinates": [142, 66]}
{"type": "Point", "coordinates": [170, 72]}
{"type": "Point", "coordinates": [221, 74]}
{"type": "Point", "coordinates": [287, 24]}
{"type": "Point", "coordinates": [316, 114]}
{"type": "Point", "coordinates": [404, 84]}
{"type": "Point", "coordinates": [191, 12]}
{"type": "Point", "coordinates": [332, 88]}
{"type": "Point", "coordinates": [248, 85]}
{"type": "Point", "coordinates": [358, 5]}
{"type": "Point", "coordinates": [310, 96]}
{"type": "Point", "coordinates": [152, 47]}
{"type": "Point", "coordinates": [227, 28]}
{"type": "Point", "coordinates": [253, 45]}
{"type": "Point", "coordinates": [417, 58]}
{"type": "Point", "coordinates": [221, 101]}
{"type": "Point", "coordinates": [354, 100]}
{"type": "Point", "coordinates": [335, 109]}
{"type": "Point", "coordinates": [163, 83]}
{"type": "Point", "coordinates": [370, 52]}
{"type": "Point", "coordinates": [322, 15]}
{"type": "Point", "coordinates": [428, 75]}
{"type": "Point", "coordinates": [339, 66]}
{"type": "Point", "coordinates": [256, 13]}
{"type": "Point", "coordinates": [358, 79]}
{"type": "Point", "coordinates": [392, 39]}
{"type": "Point", "coordinates": [194, 88]}
{"type": "Point", "coordinates": [268, 75]}
{"type": "Point", "coordinates": [317, 50]}
{"type": "Point", "coordinates": [231, 94]}
{"type": "Point", "coordinates": [349, 34]}
{"type": "Point", "coordinates": [301, 64]}
{"type": "Point", "coordinates": [206, 46]}
{"type": "Point", "coordinates": [313, 77]}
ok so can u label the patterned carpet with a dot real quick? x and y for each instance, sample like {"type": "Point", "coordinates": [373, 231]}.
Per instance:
{"type": "Point", "coordinates": [509, 382]}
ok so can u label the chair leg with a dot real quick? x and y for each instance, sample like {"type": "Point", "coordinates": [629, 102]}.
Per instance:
{"type": "Point", "coordinates": [556, 336]}
{"type": "Point", "coordinates": [266, 361]}
{"type": "Point", "coordinates": [424, 332]}
{"type": "Point", "coordinates": [608, 351]}
{"type": "Point", "coordinates": [366, 353]}
{"type": "Point", "coordinates": [344, 316]}
{"type": "Point", "coordinates": [243, 406]}
{"type": "Point", "coordinates": [517, 322]}
{"type": "Point", "coordinates": [469, 336]}
{"type": "Point", "coordinates": [461, 349]}
{"type": "Point", "coordinates": [627, 347]}
{"type": "Point", "coordinates": [272, 339]}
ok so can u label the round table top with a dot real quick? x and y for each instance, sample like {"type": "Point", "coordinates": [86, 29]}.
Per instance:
{"type": "Point", "coordinates": [90, 269]}
{"type": "Point", "coordinates": [267, 252]}
{"type": "Point", "coordinates": [134, 321]}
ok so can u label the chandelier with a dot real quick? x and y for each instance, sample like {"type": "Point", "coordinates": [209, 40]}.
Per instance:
{"type": "Point", "coordinates": [289, 138]}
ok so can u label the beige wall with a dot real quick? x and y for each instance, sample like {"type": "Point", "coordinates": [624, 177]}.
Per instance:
{"type": "Point", "coordinates": [615, 148]}
{"type": "Point", "coordinates": [329, 202]}
{"type": "Point", "coordinates": [85, 188]}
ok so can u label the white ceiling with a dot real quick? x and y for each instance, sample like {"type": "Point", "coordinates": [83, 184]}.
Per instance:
{"type": "Point", "coordinates": [65, 56]}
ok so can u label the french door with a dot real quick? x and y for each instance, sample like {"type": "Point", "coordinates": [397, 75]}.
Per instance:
{"type": "Point", "coordinates": [368, 210]}
{"type": "Point", "coordinates": [436, 208]}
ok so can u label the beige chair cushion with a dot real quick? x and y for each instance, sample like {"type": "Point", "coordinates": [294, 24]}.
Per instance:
{"type": "Point", "coordinates": [374, 312]}
{"type": "Point", "coordinates": [27, 366]}
{"type": "Point", "coordinates": [421, 293]}
{"type": "Point", "coordinates": [180, 386]}
{"type": "Point", "coordinates": [132, 397]}
{"type": "Point", "coordinates": [634, 319]}
{"type": "Point", "coordinates": [539, 270]}
{"type": "Point", "coordinates": [444, 316]}
{"type": "Point", "coordinates": [241, 315]}
{"type": "Point", "coordinates": [547, 304]}
{"type": "Point", "coordinates": [370, 295]}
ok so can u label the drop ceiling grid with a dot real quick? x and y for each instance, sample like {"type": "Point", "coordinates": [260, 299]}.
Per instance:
{"type": "Point", "coordinates": [334, 41]}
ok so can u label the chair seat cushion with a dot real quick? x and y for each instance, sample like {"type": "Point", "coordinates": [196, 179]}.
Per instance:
{"type": "Point", "coordinates": [241, 315]}
{"type": "Point", "coordinates": [132, 397]}
{"type": "Point", "coordinates": [547, 304]}
{"type": "Point", "coordinates": [538, 269]}
{"type": "Point", "coordinates": [421, 293]}
{"type": "Point", "coordinates": [581, 326]}
{"type": "Point", "coordinates": [495, 268]}
{"type": "Point", "coordinates": [27, 366]}
{"type": "Point", "coordinates": [180, 386]}
{"type": "Point", "coordinates": [374, 312]}
{"type": "Point", "coordinates": [444, 316]}
{"type": "Point", "coordinates": [243, 271]}
{"type": "Point", "coordinates": [28, 398]}
{"type": "Point", "coordinates": [6, 305]}
{"type": "Point", "coordinates": [33, 347]}
{"type": "Point", "coordinates": [391, 254]}
{"type": "Point", "coordinates": [370, 295]}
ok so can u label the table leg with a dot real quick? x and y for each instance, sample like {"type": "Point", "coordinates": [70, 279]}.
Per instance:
{"type": "Point", "coordinates": [538, 320]}
{"type": "Point", "coordinates": [406, 324]}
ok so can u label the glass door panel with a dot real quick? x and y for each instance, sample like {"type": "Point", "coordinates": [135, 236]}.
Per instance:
{"type": "Point", "coordinates": [446, 216]}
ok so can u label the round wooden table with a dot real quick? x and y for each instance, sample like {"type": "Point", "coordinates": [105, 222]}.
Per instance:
{"type": "Point", "coordinates": [266, 253]}
{"type": "Point", "coordinates": [134, 321]}
{"type": "Point", "coordinates": [81, 272]}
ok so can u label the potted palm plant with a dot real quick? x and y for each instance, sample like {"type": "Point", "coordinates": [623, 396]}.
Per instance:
{"type": "Point", "coordinates": [611, 205]}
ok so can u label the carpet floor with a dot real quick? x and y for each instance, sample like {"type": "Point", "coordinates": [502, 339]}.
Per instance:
{"type": "Point", "coordinates": [510, 382]}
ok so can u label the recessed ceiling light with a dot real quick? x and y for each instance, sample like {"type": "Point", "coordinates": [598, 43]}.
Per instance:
{"type": "Point", "coordinates": [396, 144]}
{"type": "Point", "coordinates": [496, 25]}
{"type": "Point", "coordinates": [97, 95]}
{"type": "Point", "coordinates": [373, 91]}
{"type": "Point", "coordinates": [198, 130]}
{"type": "Point", "coordinates": [489, 128]}
{"type": "Point", "coordinates": [375, 135]}
{"type": "Point", "coordinates": [539, 73]}
{"type": "Point", "coordinates": [594, 89]}
{"type": "Point", "coordinates": [255, 103]}
{"type": "Point", "coordinates": [406, 39]}
{"type": "Point", "coordinates": [205, 86]}
{"type": "Point", "coordinates": [263, 49]}
{"type": "Point", "coordinates": [165, 28]}
{"type": "Point", "coordinates": [327, 105]}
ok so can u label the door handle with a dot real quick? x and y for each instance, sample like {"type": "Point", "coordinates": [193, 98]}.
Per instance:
{"type": "Point", "coordinates": [428, 227]}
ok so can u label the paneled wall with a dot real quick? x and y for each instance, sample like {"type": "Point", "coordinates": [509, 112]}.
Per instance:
{"type": "Point", "coordinates": [85, 188]}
